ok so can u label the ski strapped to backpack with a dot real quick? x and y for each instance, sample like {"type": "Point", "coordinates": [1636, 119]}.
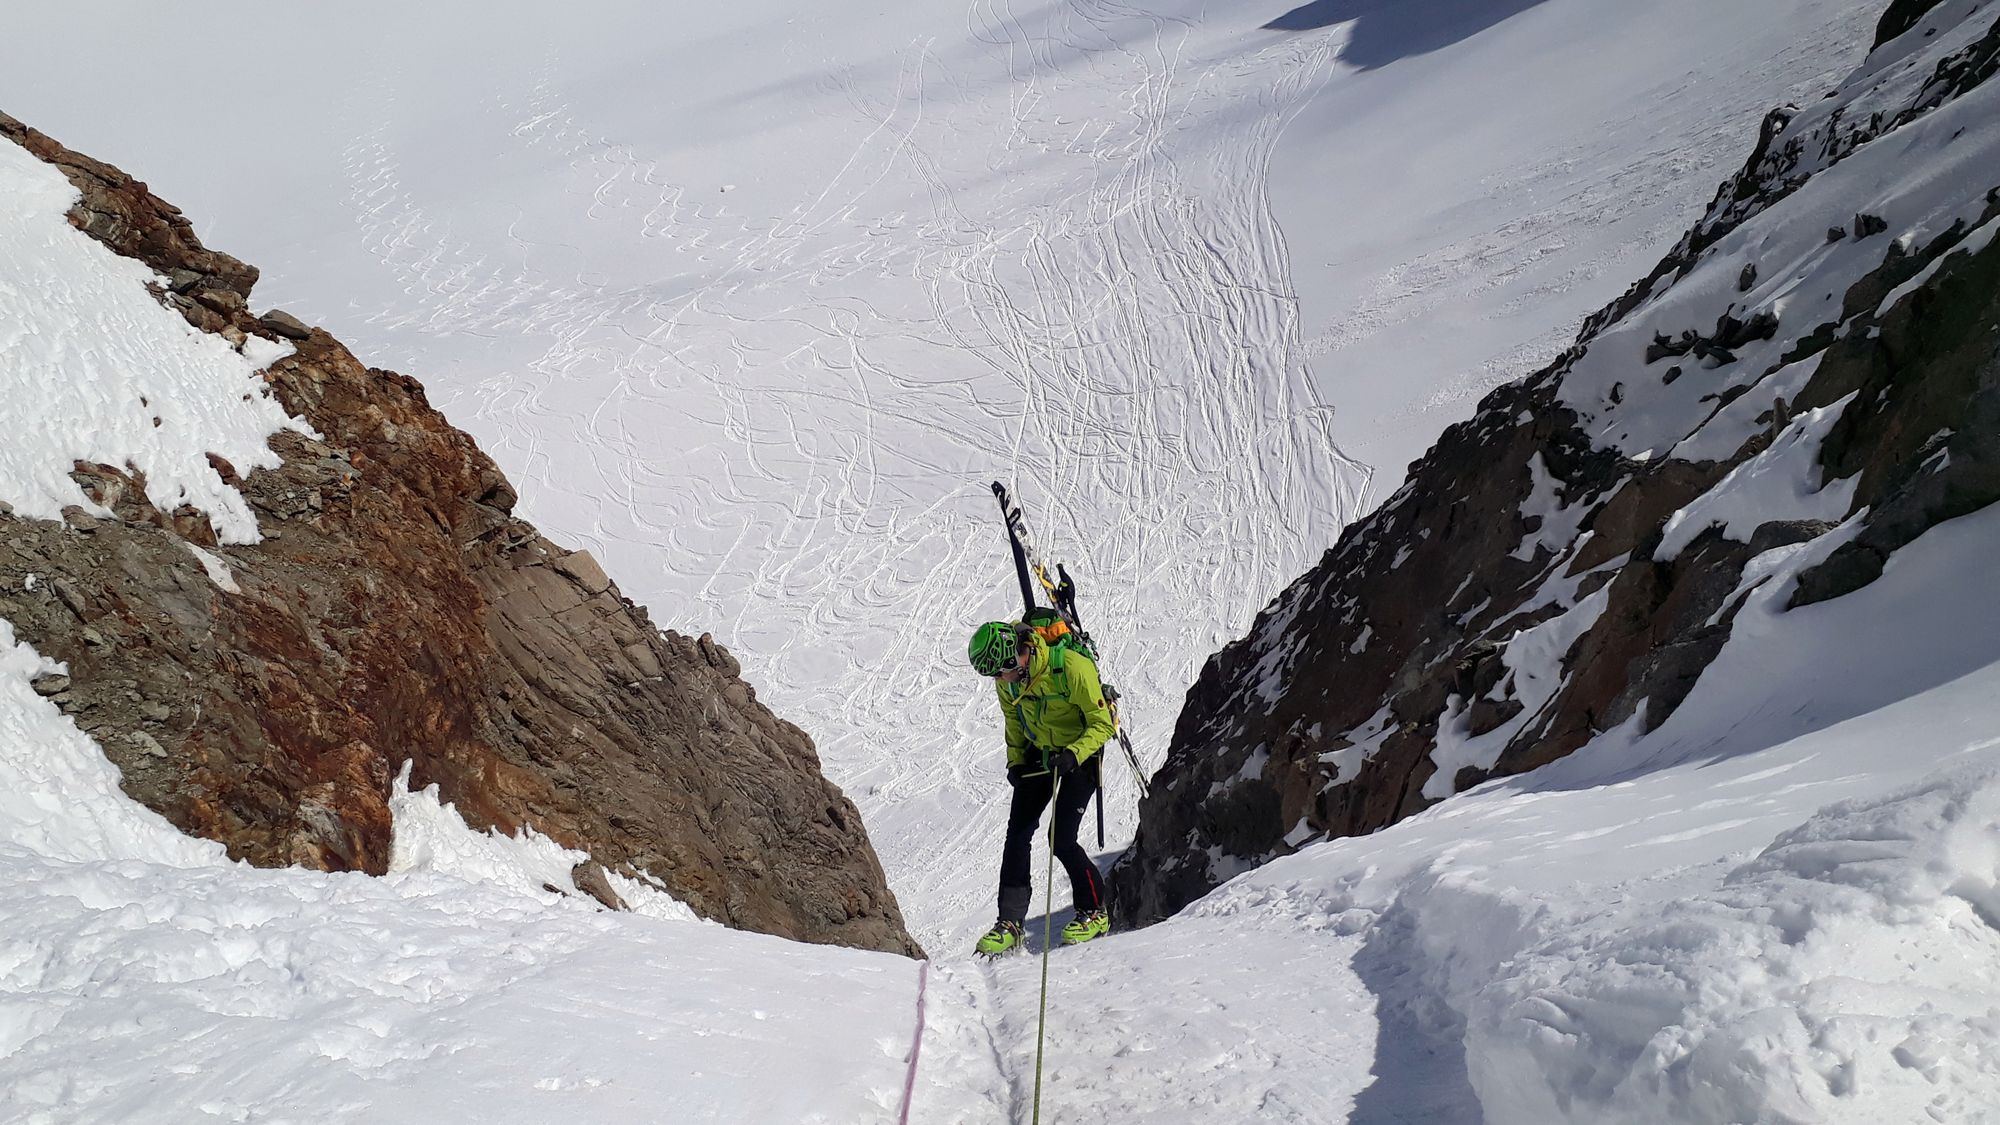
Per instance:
{"type": "Point", "coordinates": [1060, 626]}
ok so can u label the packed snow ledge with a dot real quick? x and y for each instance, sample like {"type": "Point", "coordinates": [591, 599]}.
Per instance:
{"type": "Point", "coordinates": [1782, 905]}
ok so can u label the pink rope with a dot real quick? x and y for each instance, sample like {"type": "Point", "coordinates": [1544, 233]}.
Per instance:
{"type": "Point", "coordinates": [916, 1044]}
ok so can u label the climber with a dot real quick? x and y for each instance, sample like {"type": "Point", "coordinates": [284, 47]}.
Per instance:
{"type": "Point", "coordinates": [1057, 721]}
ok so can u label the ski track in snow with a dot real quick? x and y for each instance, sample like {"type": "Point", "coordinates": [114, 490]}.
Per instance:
{"type": "Point", "coordinates": [1088, 298]}
{"type": "Point", "coordinates": [1407, 329]}
{"type": "Point", "coordinates": [1032, 244]}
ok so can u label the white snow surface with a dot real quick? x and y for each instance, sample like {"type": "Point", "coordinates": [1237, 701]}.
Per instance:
{"type": "Point", "coordinates": [753, 301]}
{"type": "Point", "coordinates": [1781, 905]}
{"type": "Point", "coordinates": [144, 977]}
{"type": "Point", "coordinates": [96, 369]}
{"type": "Point", "coordinates": [1756, 912]}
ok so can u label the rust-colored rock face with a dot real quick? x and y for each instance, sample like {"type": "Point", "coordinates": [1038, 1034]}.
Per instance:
{"type": "Point", "coordinates": [397, 612]}
{"type": "Point", "coordinates": [1325, 720]}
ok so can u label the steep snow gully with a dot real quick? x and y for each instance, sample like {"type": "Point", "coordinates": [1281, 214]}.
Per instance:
{"type": "Point", "coordinates": [1022, 244]}
{"type": "Point", "coordinates": [1014, 245]}
{"type": "Point", "coordinates": [752, 303]}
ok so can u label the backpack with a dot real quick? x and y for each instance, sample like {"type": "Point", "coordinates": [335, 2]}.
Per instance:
{"type": "Point", "coordinates": [1057, 635]}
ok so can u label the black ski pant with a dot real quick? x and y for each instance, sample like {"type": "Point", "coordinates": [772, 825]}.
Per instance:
{"type": "Point", "coordinates": [1031, 796]}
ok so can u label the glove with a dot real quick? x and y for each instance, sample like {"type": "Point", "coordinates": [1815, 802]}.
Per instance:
{"type": "Point", "coordinates": [1015, 774]}
{"type": "Point", "coordinates": [1063, 762]}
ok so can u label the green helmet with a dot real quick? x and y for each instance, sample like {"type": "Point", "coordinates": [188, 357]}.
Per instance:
{"type": "Point", "coordinates": [993, 647]}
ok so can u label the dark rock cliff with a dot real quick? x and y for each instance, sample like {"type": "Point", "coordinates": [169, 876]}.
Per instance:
{"type": "Point", "coordinates": [397, 612]}
{"type": "Point", "coordinates": [1557, 566]}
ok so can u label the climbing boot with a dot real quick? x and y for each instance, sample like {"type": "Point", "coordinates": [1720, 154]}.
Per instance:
{"type": "Point", "coordinates": [1094, 924]}
{"type": "Point", "coordinates": [1003, 937]}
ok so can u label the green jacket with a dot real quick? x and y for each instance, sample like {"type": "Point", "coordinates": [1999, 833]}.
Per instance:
{"type": "Point", "coordinates": [1055, 708]}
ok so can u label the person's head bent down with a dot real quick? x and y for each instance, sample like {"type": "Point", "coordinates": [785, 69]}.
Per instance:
{"type": "Point", "coordinates": [1000, 649]}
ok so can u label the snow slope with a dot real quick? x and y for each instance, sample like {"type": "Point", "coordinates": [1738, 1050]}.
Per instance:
{"type": "Point", "coordinates": [1525, 161]}
{"type": "Point", "coordinates": [1782, 904]}
{"type": "Point", "coordinates": [1754, 913]}
{"type": "Point", "coordinates": [97, 370]}
{"type": "Point", "coordinates": [753, 301]}
{"type": "Point", "coordinates": [144, 977]}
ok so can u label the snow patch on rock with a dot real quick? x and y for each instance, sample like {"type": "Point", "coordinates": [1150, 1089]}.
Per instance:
{"type": "Point", "coordinates": [1364, 742]}
{"type": "Point", "coordinates": [1534, 659]}
{"type": "Point", "coordinates": [100, 371]}
{"type": "Point", "coordinates": [216, 567]}
{"type": "Point", "coordinates": [1781, 483]}
{"type": "Point", "coordinates": [431, 837]}
{"type": "Point", "coordinates": [1555, 523]}
{"type": "Point", "coordinates": [59, 798]}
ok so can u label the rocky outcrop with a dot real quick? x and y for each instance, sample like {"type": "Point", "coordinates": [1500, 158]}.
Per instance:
{"type": "Point", "coordinates": [1901, 16]}
{"type": "Point", "coordinates": [397, 612]}
{"type": "Point", "coordinates": [1571, 559]}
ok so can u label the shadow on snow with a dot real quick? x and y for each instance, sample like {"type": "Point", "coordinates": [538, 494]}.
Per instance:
{"type": "Point", "coordinates": [1387, 30]}
{"type": "Point", "coordinates": [1419, 1067]}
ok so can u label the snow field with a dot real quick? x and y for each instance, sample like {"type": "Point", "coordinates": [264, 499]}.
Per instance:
{"type": "Point", "coordinates": [1492, 172]}
{"type": "Point", "coordinates": [1175, 1023]}
{"type": "Point", "coordinates": [138, 992]}
{"type": "Point", "coordinates": [98, 370]}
